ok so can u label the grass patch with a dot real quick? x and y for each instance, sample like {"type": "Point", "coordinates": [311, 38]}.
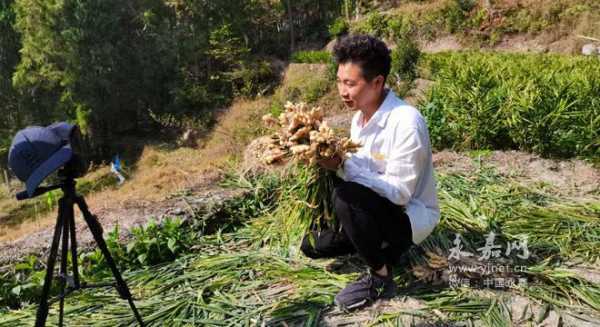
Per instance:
{"type": "Point", "coordinates": [311, 57]}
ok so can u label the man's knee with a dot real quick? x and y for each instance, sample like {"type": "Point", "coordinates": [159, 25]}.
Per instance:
{"type": "Point", "coordinates": [347, 192]}
{"type": "Point", "coordinates": [325, 244]}
{"type": "Point", "coordinates": [308, 246]}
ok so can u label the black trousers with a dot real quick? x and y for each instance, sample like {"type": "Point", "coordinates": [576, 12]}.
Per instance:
{"type": "Point", "coordinates": [367, 221]}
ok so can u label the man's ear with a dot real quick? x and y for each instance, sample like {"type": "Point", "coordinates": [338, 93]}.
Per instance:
{"type": "Point", "coordinates": [378, 81]}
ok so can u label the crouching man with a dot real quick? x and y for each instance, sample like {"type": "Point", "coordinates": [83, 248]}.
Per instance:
{"type": "Point", "coordinates": [386, 199]}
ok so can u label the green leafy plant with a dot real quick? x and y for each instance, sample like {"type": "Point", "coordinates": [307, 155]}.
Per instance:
{"type": "Point", "coordinates": [156, 243]}
{"type": "Point", "coordinates": [546, 104]}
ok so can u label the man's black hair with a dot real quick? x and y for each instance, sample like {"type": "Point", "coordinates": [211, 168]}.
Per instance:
{"type": "Point", "coordinates": [370, 53]}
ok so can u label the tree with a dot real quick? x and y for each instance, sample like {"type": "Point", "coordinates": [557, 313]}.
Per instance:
{"type": "Point", "coordinates": [117, 66]}
{"type": "Point", "coordinates": [9, 56]}
{"type": "Point", "coordinates": [92, 54]}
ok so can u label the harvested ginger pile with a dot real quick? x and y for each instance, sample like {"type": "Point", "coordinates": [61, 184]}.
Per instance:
{"type": "Point", "coordinates": [304, 135]}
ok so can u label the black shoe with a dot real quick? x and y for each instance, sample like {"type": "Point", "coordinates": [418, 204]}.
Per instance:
{"type": "Point", "coordinates": [367, 289]}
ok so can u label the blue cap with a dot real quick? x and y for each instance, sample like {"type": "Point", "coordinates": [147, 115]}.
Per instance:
{"type": "Point", "coordinates": [62, 129]}
{"type": "Point", "coordinates": [36, 152]}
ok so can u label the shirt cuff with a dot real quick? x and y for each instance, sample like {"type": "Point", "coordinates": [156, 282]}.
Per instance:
{"type": "Point", "coordinates": [349, 171]}
{"type": "Point", "coordinates": [340, 172]}
{"type": "Point", "coordinates": [365, 180]}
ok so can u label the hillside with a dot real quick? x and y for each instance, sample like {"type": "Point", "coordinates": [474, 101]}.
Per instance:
{"type": "Point", "coordinates": [501, 25]}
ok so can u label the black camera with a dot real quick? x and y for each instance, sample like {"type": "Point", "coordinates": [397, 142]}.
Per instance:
{"type": "Point", "coordinates": [79, 164]}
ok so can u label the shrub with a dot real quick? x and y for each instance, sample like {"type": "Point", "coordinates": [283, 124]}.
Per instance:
{"type": "Point", "coordinates": [252, 78]}
{"type": "Point", "coordinates": [338, 28]}
{"type": "Point", "coordinates": [405, 58]}
{"type": "Point", "coordinates": [311, 57]}
{"type": "Point", "coordinates": [373, 24]}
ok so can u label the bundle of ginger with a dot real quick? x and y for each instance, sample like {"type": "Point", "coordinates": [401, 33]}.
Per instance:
{"type": "Point", "coordinates": [304, 135]}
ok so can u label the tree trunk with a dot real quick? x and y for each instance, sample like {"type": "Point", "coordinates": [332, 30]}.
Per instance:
{"type": "Point", "coordinates": [347, 9]}
{"type": "Point", "coordinates": [6, 180]}
{"type": "Point", "coordinates": [291, 22]}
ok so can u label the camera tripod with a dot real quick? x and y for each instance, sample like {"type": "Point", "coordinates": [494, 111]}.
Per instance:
{"type": "Point", "coordinates": [65, 227]}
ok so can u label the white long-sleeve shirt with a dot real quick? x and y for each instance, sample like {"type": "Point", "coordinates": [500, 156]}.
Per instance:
{"type": "Point", "coordinates": [395, 161]}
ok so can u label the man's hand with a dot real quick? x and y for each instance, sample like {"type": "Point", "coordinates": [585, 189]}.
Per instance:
{"type": "Point", "coordinates": [331, 163]}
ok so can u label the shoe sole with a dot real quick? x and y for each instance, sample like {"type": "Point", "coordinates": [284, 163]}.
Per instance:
{"type": "Point", "coordinates": [362, 303]}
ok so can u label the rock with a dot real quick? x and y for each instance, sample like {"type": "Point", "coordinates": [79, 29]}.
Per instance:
{"type": "Point", "coordinates": [447, 43]}
{"type": "Point", "coordinates": [175, 212]}
{"type": "Point", "coordinates": [330, 45]}
{"type": "Point", "coordinates": [417, 93]}
{"type": "Point", "coordinates": [253, 158]}
{"type": "Point", "coordinates": [189, 138]}
{"type": "Point", "coordinates": [590, 49]}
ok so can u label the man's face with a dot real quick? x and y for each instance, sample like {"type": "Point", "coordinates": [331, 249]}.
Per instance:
{"type": "Point", "coordinates": [355, 90]}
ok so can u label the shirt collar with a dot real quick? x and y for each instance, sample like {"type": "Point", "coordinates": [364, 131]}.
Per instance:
{"type": "Point", "coordinates": [383, 112]}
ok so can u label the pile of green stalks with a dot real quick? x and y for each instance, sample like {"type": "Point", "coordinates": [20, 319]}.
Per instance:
{"type": "Point", "coordinates": [239, 288]}
{"type": "Point", "coordinates": [304, 203]}
{"type": "Point", "coordinates": [254, 275]}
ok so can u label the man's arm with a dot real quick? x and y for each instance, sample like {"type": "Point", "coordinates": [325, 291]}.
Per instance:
{"type": "Point", "coordinates": [404, 164]}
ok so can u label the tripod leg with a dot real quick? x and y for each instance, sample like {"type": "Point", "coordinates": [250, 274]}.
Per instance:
{"type": "Point", "coordinates": [96, 230]}
{"type": "Point", "coordinates": [42, 312]}
{"type": "Point", "coordinates": [71, 222]}
{"type": "Point", "coordinates": [67, 216]}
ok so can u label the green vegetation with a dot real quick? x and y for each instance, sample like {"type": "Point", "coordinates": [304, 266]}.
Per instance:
{"type": "Point", "coordinates": [251, 272]}
{"type": "Point", "coordinates": [112, 66]}
{"type": "Point", "coordinates": [562, 16]}
{"type": "Point", "coordinates": [303, 204]}
{"type": "Point", "coordinates": [338, 28]}
{"type": "Point", "coordinates": [311, 57]}
{"type": "Point", "coordinates": [9, 99]}
{"type": "Point", "coordinates": [547, 104]}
